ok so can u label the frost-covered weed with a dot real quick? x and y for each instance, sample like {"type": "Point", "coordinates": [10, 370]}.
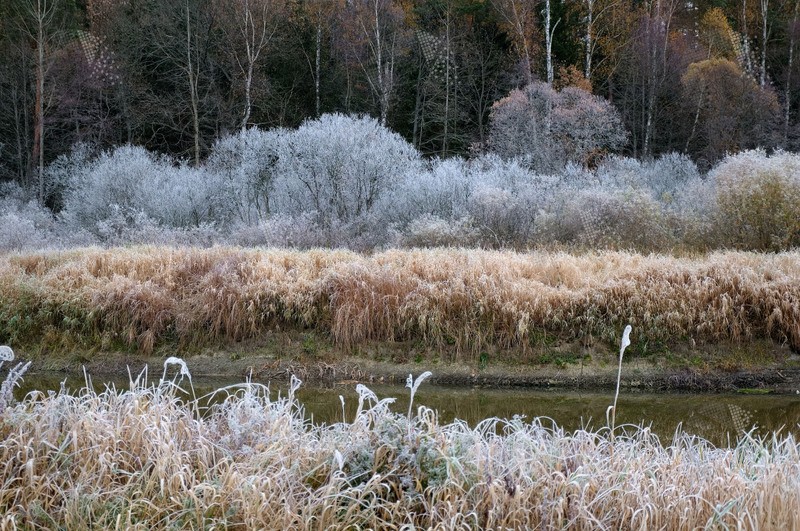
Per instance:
{"type": "Point", "coordinates": [146, 458]}
{"type": "Point", "coordinates": [12, 378]}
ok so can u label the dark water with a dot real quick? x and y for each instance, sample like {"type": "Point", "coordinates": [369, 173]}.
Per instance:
{"type": "Point", "coordinates": [720, 418]}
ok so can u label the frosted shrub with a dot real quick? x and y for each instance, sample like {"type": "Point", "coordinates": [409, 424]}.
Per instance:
{"type": "Point", "coordinates": [431, 231]}
{"type": "Point", "coordinates": [669, 174]}
{"type": "Point", "coordinates": [18, 233]}
{"type": "Point", "coordinates": [502, 217]}
{"type": "Point", "coordinates": [758, 200]}
{"type": "Point", "coordinates": [97, 191]}
{"type": "Point", "coordinates": [625, 203]}
{"type": "Point", "coordinates": [547, 129]}
{"type": "Point", "coordinates": [693, 211]}
{"type": "Point", "coordinates": [509, 203]}
{"type": "Point", "coordinates": [247, 162]}
{"type": "Point", "coordinates": [60, 173]}
{"type": "Point", "coordinates": [488, 201]}
{"type": "Point", "coordinates": [132, 227]}
{"type": "Point", "coordinates": [23, 223]}
{"type": "Point", "coordinates": [339, 167]}
{"type": "Point", "coordinates": [617, 218]}
{"type": "Point", "coordinates": [130, 180]}
{"type": "Point", "coordinates": [662, 178]}
{"type": "Point", "coordinates": [442, 192]}
{"type": "Point", "coordinates": [280, 230]}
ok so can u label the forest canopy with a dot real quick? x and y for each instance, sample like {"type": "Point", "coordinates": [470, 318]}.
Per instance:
{"type": "Point", "coordinates": [175, 77]}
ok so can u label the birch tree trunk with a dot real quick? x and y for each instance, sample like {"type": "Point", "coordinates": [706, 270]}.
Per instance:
{"type": "Point", "coordinates": [192, 78]}
{"type": "Point", "coordinates": [788, 93]}
{"type": "Point", "coordinates": [588, 39]}
{"type": "Point", "coordinates": [548, 42]}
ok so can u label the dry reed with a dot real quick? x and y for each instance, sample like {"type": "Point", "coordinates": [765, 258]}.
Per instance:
{"type": "Point", "coordinates": [468, 298]}
{"type": "Point", "coordinates": [143, 459]}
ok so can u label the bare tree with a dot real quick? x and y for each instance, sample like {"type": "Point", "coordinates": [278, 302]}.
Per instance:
{"type": "Point", "coordinates": [658, 22]}
{"type": "Point", "coordinates": [549, 31]}
{"type": "Point", "coordinates": [40, 20]}
{"type": "Point", "coordinates": [519, 21]}
{"type": "Point", "coordinates": [175, 43]}
{"type": "Point", "coordinates": [250, 26]}
{"type": "Point", "coordinates": [547, 128]}
{"type": "Point", "coordinates": [596, 11]}
{"type": "Point", "coordinates": [321, 15]}
{"type": "Point", "coordinates": [16, 64]}
{"type": "Point", "coordinates": [788, 94]}
{"type": "Point", "coordinates": [374, 32]}
{"type": "Point", "coordinates": [764, 4]}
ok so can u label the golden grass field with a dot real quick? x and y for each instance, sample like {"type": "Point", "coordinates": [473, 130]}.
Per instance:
{"type": "Point", "coordinates": [144, 459]}
{"type": "Point", "coordinates": [148, 296]}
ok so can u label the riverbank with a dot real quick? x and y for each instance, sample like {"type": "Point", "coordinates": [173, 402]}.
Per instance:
{"type": "Point", "coordinates": [755, 367]}
{"type": "Point", "coordinates": [721, 321]}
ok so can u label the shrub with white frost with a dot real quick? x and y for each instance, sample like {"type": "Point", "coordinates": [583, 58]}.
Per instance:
{"type": "Point", "coordinates": [130, 181]}
{"type": "Point", "coordinates": [758, 200]}
{"type": "Point", "coordinates": [339, 167]}
{"type": "Point", "coordinates": [547, 128]}
{"type": "Point", "coordinates": [247, 162]}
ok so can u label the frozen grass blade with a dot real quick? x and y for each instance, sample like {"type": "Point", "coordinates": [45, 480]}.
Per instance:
{"type": "Point", "coordinates": [11, 380]}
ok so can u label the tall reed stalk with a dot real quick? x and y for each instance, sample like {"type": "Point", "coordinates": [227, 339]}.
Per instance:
{"type": "Point", "coordinates": [624, 343]}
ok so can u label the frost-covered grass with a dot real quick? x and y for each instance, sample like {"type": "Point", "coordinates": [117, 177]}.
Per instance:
{"type": "Point", "coordinates": [145, 459]}
{"type": "Point", "coordinates": [471, 299]}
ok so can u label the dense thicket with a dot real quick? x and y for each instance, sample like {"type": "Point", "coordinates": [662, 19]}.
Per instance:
{"type": "Point", "coordinates": [174, 77]}
{"type": "Point", "coordinates": [343, 181]}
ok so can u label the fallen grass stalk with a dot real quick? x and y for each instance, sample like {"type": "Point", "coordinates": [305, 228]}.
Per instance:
{"type": "Point", "coordinates": [144, 459]}
{"type": "Point", "coordinates": [150, 296]}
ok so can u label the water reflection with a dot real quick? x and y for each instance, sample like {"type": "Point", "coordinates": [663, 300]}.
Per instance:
{"type": "Point", "coordinates": [720, 417]}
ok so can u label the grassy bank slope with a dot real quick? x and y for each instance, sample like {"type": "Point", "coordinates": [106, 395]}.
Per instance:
{"type": "Point", "coordinates": [147, 296]}
{"type": "Point", "coordinates": [145, 460]}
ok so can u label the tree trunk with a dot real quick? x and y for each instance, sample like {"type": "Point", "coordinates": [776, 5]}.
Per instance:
{"type": "Point", "coordinates": [763, 73]}
{"type": "Point", "coordinates": [587, 71]}
{"type": "Point", "coordinates": [192, 90]}
{"type": "Point", "coordinates": [548, 37]}
{"type": "Point", "coordinates": [317, 63]}
{"type": "Point", "coordinates": [38, 130]}
{"type": "Point", "coordinates": [788, 93]}
{"type": "Point", "coordinates": [415, 135]}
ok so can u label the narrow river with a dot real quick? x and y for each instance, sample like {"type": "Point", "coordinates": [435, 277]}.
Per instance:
{"type": "Point", "coordinates": [720, 418]}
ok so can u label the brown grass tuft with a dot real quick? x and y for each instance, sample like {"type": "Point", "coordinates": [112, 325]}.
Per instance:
{"type": "Point", "coordinates": [468, 298]}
